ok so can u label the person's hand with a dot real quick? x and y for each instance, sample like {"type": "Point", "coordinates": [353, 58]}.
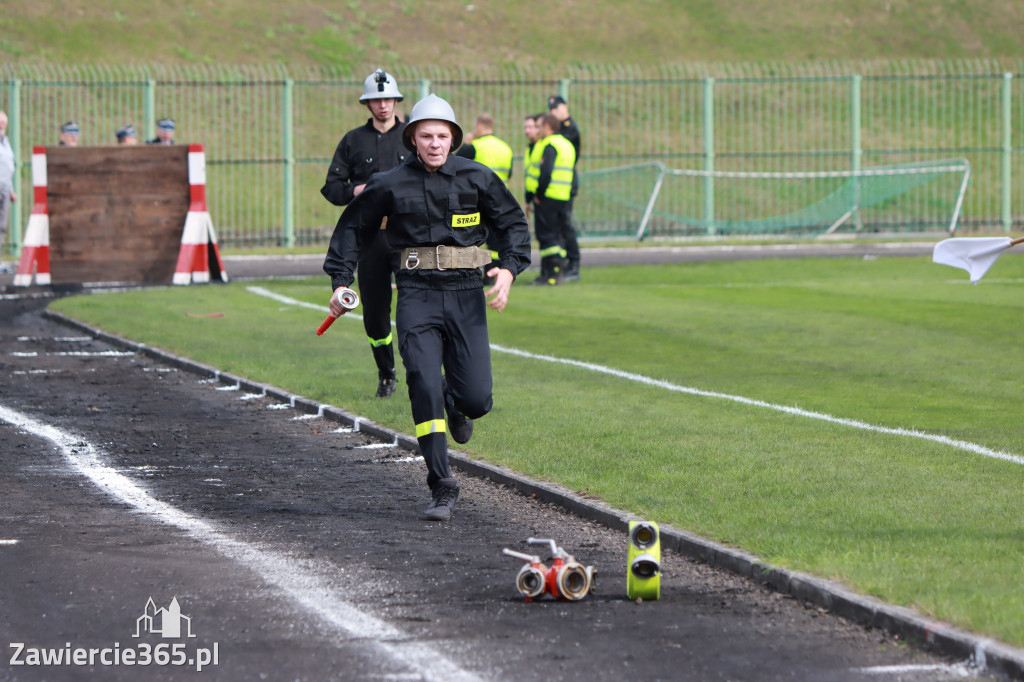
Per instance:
{"type": "Point", "coordinates": [498, 294]}
{"type": "Point", "coordinates": [336, 308]}
{"type": "Point", "coordinates": [14, 197]}
{"type": "Point", "coordinates": [358, 189]}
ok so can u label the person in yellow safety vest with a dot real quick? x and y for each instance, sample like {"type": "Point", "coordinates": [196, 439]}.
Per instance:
{"type": "Point", "coordinates": [530, 130]}
{"type": "Point", "coordinates": [485, 147]}
{"type": "Point", "coordinates": [554, 158]}
{"type": "Point", "coordinates": [568, 128]}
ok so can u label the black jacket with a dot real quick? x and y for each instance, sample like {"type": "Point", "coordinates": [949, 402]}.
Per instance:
{"type": "Point", "coordinates": [362, 152]}
{"type": "Point", "coordinates": [422, 210]}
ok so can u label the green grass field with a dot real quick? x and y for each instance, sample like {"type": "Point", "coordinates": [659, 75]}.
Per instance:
{"type": "Point", "coordinates": [450, 34]}
{"type": "Point", "coordinates": [900, 348]}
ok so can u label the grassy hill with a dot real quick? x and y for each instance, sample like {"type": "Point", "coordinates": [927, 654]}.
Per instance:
{"type": "Point", "coordinates": [451, 33]}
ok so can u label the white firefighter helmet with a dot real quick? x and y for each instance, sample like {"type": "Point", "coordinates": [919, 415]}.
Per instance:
{"type": "Point", "coordinates": [431, 108]}
{"type": "Point", "coordinates": [380, 85]}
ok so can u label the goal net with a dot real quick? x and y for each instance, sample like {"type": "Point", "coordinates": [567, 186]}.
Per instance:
{"type": "Point", "coordinates": [651, 199]}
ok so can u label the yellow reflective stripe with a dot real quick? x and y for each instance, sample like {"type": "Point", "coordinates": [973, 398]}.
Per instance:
{"type": "Point", "coordinates": [432, 426]}
{"type": "Point", "coordinates": [376, 343]}
{"type": "Point", "coordinates": [494, 254]}
{"type": "Point", "coordinates": [553, 251]}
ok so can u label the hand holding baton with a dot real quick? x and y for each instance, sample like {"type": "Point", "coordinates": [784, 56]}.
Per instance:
{"type": "Point", "coordinates": [348, 300]}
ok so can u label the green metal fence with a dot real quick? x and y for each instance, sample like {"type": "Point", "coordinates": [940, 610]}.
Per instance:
{"type": "Point", "coordinates": [269, 134]}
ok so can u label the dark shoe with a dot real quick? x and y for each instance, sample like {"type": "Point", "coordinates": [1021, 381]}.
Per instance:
{"type": "Point", "coordinates": [549, 281]}
{"type": "Point", "coordinates": [572, 274]}
{"type": "Point", "coordinates": [459, 425]}
{"type": "Point", "coordinates": [445, 492]}
{"type": "Point", "coordinates": [386, 387]}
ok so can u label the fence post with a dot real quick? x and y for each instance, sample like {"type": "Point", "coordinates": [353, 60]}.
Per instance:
{"type": "Point", "coordinates": [424, 89]}
{"type": "Point", "coordinates": [709, 153]}
{"type": "Point", "coordinates": [856, 144]}
{"type": "Point", "coordinates": [14, 133]}
{"type": "Point", "coordinates": [289, 164]}
{"type": "Point", "coordinates": [1007, 189]}
{"type": "Point", "coordinates": [563, 88]}
{"type": "Point", "coordinates": [150, 106]}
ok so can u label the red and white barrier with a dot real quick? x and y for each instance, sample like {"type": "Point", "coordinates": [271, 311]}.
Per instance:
{"type": "Point", "coordinates": [35, 250]}
{"type": "Point", "coordinates": [198, 239]}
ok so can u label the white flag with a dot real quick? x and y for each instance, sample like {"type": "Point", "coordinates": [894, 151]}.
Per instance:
{"type": "Point", "coordinates": [973, 254]}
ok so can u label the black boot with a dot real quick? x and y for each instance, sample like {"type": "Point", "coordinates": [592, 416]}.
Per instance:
{"type": "Point", "coordinates": [384, 356]}
{"type": "Point", "coordinates": [444, 494]}
{"type": "Point", "coordinates": [460, 427]}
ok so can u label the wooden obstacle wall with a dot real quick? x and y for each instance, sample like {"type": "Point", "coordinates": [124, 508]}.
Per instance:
{"type": "Point", "coordinates": [116, 213]}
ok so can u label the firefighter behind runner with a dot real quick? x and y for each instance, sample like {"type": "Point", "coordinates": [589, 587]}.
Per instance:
{"type": "Point", "coordinates": [491, 151]}
{"type": "Point", "coordinates": [440, 208]}
{"type": "Point", "coordinates": [372, 148]}
{"type": "Point", "coordinates": [549, 181]}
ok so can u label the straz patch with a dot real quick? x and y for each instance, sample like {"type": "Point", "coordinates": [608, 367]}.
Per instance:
{"type": "Point", "coordinates": [466, 220]}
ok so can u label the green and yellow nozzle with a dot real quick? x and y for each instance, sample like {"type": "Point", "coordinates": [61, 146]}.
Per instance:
{"type": "Point", "coordinates": [643, 561]}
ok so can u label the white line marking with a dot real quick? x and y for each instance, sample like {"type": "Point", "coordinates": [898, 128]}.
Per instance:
{"type": "Point", "coordinates": [795, 411]}
{"type": "Point", "coordinates": [320, 596]}
{"type": "Point", "coordinates": [69, 339]}
{"type": "Point", "coordinates": [958, 670]}
{"type": "Point", "coordinates": [377, 446]}
{"type": "Point", "coordinates": [94, 354]}
{"type": "Point", "coordinates": [8, 542]}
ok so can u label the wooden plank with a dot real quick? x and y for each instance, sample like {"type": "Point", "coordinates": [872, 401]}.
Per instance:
{"type": "Point", "coordinates": [116, 213]}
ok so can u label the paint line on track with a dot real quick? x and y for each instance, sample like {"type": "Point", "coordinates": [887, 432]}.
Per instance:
{"type": "Point", "coordinates": [751, 402]}
{"type": "Point", "coordinates": [955, 670]}
{"type": "Point", "coordinates": [308, 589]}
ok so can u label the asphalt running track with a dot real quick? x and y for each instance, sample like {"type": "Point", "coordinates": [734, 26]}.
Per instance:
{"type": "Point", "coordinates": [292, 543]}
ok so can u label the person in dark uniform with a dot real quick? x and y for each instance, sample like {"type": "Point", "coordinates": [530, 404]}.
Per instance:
{"type": "Point", "coordinates": [553, 161]}
{"type": "Point", "coordinates": [69, 134]}
{"type": "Point", "coordinates": [439, 208]}
{"type": "Point", "coordinates": [164, 132]}
{"type": "Point", "coordinates": [568, 129]}
{"type": "Point", "coordinates": [126, 135]}
{"type": "Point", "coordinates": [372, 148]}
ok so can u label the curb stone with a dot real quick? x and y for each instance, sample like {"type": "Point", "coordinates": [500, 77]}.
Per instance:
{"type": "Point", "coordinates": [984, 654]}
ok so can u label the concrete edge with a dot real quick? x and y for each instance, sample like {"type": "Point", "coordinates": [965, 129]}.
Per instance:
{"type": "Point", "coordinates": [985, 653]}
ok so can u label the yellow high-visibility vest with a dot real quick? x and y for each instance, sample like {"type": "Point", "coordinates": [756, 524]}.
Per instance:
{"type": "Point", "coordinates": [560, 185]}
{"type": "Point", "coordinates": [495, 154]}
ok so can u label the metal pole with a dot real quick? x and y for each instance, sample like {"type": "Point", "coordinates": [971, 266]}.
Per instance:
{"type": "Point", "coordinates": [1007, 190]}
{"type": "Point", "coordinates": [857, 157]}
{"type": "Point", "coordinates": [289, 165]}
{"type": "Point", "coordinates": [709, 153]}
{"type": "Point", "coordinates": [14, 132]}
{"type": "Point", "coordinates": [150, 107]}
{"type": "Point", "coordinates": [424, 88]}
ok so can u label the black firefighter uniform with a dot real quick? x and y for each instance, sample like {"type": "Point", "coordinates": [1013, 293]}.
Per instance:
{"type": "Point", "coordinates": [441, 314]}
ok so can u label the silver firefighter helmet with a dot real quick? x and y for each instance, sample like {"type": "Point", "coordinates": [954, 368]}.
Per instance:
{"type": "Point", "coordinates": [380, 85]}
{"type": "Point", "coordinates": [431, 108]}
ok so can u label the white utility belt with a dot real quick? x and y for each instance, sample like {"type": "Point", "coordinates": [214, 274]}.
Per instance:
{"type": "Point", "coordinates": [444, 257]}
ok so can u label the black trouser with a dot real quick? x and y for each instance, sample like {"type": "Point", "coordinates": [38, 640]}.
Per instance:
{"type": "Point", "coordinates": [569, 241]}
{"type": "Point", "coordinates": [375, 264]}
{"type": "Point", "coordinates": [443, 329]}
{"type": "Point", "coordinates": [551, 218]}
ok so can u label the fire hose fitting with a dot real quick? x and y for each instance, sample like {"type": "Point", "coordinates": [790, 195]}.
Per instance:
{"type": "Point", "coordinates": [643, 561]}
{"type": "Point", "coordinates": [567, 579]}
{"type": "Point", "coordinates": [347, 299]}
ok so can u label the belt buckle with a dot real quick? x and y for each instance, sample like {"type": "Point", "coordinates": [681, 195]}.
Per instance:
{"type": "Point", "coordinates": [437, 257]}
{"type": "Point", "coordinates": [412, 261]}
